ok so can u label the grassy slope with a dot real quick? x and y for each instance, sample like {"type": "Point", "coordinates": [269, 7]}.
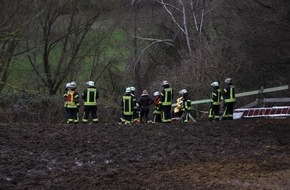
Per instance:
{"type": "Point", "coordinates": [23, 77]}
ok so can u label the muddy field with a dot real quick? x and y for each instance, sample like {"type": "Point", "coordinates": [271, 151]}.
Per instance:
{"type": "Point", "coordinates": [244, 154]}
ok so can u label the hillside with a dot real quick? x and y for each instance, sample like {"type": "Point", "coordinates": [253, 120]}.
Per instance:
{"type": "Point", "coordinates": [244, 154]}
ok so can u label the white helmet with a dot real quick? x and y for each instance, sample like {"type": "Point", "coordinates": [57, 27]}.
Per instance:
{"type": "Point", "coordinates": [67, 85]}
{"type": "Point", "coordinates": [228, 80]}
{"type": "Point", "coordinates": [73, 85]}
{"type": "Point", "coordinates": [183, 91]}
{"type": "Point", "coordinates": [133, 89]}
{"type": "Point", "coordinates": [90, 83]}
{"type": "Point", "coordinates": [128, 89]}
{"type": "Point", "coordinates": [165, 83]}
{"type": "Point", "coordinates": [156, 93]}
{"type": "Point", "coordinates": [214, 84]}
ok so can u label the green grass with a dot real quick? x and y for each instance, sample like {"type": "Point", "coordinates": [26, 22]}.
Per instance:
{"type": "Point", "coordinates": [112, 48]}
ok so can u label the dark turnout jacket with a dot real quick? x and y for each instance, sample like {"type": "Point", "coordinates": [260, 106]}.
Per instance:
{"type": "Point", "coordinates": [145, 101]}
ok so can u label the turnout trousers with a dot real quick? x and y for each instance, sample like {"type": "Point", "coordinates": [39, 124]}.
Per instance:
{"type": "Point", "coordinates": [166, 114]}
{"type": "Point", "coordinates": [90, 110]}
{"type": "Point", "coordinates": [214, 112]}
{"type": "Point", "coordinates": [228, 111]}
{"type": "Point", "coordinates": [72, 114]}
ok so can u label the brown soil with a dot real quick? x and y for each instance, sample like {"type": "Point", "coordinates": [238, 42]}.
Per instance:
{"type": "Point", "coordinates": [244, 154]}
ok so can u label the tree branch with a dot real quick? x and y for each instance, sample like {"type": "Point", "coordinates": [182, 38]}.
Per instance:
{"type": "Point", "coordinates": [154, 41]}
{"type": "Point", "coordinates": [214, 7]}
{"type": "Point", "coordinates": [165, 5]}
{"type": "Point", "coordinates": [265, 6]}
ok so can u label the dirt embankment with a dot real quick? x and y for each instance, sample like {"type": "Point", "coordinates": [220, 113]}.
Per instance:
{"type": "Point", "coordinates": [244, 154]}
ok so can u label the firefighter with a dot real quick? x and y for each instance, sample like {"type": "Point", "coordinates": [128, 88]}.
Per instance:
{"type": "Point", "coordinates": [65, 102]}
{"type": "Point", "coordinates": [166, 101]}
{"type": "Point", "coordinates": [72, 99]}
{"type": "Point", "coordinates": [144, 103]}
{"type": "Point", "coordinates": [157, 108]}
{"type": "Point", "coordinates": [186, 105]}
{"type": "Point", "coordinates": [133, 90]}
{"type": "Point", "coordinates": [136, 115]}
{"type": "Point", "coordinates": [127, 105]}
{"type": "Point", "coordinates": [229, 99]}
{"type": "Point", "coordinates": [66, 87]}
{"type": "Point", "coordinates": [215, 102]}
{"type": "Point", "coordinates": [90, 96]}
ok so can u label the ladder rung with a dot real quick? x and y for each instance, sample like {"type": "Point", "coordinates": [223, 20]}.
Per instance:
{"type": "Point", "coordinates": [267, 111]}
{"type": "Point", "coordinates": [272, 111]}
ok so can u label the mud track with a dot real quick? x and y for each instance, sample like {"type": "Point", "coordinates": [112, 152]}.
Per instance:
{"type": "Point", "coordinates": [244, 154]}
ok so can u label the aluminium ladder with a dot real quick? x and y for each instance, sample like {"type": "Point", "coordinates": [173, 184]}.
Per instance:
{"type": "Point", "coordinates": [278, 111]}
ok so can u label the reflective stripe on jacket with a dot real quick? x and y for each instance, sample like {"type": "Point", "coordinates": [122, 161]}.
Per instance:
{"type": "Point", "coordinates": [90, 97]}
{"type": "Point", "coordinates": [187, 103]}
{"type": "Point", "coordinates": [127, 105]}
{"type": "Point", "coordinates": [229, 94]}
{"type": "Point", "coordinates": [166, 96]}
{"type": "Point", "coordinates": [216, 97]}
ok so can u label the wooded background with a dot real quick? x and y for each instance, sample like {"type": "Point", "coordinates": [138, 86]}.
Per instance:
{"type": "Point", "coordinates": [119, 43]}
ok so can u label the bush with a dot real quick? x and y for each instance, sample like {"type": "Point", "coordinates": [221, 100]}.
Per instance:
{"type": "Point", "coordinates": [31, 108]}
{"type": "Point", "coordinates": [35, 108]}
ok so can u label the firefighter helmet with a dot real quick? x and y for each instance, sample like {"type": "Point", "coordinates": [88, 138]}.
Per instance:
{"type": "Point", "coordinates": [133, 89]}
{"type": "Point", "coordinates": [90, 83]}
{"type": "Point", "coordinates": [214, 84]}
{"type": "Point", "coordinates": [128, 90]}
{"type": "Point", "coordinates": [156, 93]}
{"type": "Point", "coordinates": [73, 85]}
{"type": "Point", "coordinates": [228, 80]}
{"type": "Point", "coordinates": [165, 83]}
{"type": "Point", "coordinates": [183, 91]}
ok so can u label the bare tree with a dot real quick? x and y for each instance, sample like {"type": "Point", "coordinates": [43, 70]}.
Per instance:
{"type": "Point", "coordinates": [13, 21]}
{"type": "Point", "coordinates": [144, 42]}
{"type": "Point", "coordinates": [58, 41]}
{"type": "Point", "coordinates": [258, 31]}
{"type": "Point", "coordinates": [182, 25]}
{"type": "Point", "coordinates": [193, 39]}
{"type": "Point", "coordinates": [189, 16]}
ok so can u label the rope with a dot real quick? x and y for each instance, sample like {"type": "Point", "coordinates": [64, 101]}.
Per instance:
{"type": "Point", "coordinates": [199, 110]}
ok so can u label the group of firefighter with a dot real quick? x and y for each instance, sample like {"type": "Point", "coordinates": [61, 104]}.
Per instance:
{"type": "Point", "coordinates": [137, 110]}
{"type": "Point", "coordinates": [72, 103]}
